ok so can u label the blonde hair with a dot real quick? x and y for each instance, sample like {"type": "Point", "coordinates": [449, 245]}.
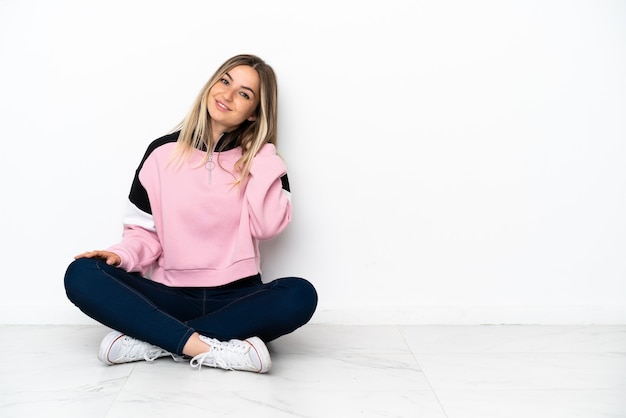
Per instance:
{"type": "Point", "coordinates": [195, 128]}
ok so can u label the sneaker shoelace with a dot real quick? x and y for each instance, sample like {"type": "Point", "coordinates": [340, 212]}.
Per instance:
{"type": "Point", "coordinates": [225, 355]}
{"type": "Point", "coordinates": [139, 349]}
{"type": "Point", "coordinates": [155, 352]}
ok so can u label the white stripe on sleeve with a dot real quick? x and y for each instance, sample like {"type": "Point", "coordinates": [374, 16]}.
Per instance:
{"type": "Point", "coordinates": [135, 216]}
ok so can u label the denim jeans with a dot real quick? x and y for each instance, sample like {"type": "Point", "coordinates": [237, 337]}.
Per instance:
{"type": "Point", "coordinates": [167, 316]}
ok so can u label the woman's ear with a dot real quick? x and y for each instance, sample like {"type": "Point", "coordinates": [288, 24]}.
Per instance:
{"type": "Point", "coordinates": [254, 114]}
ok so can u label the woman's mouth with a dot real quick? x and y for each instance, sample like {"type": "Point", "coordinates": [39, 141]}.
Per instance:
{"type": "Point", "coordinates": [221, 106]}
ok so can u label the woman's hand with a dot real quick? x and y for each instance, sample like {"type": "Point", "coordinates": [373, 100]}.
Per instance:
{"type": "Point", "coordinates": [110, 258]}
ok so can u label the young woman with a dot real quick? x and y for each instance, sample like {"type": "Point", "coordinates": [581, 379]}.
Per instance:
{"type": "Point", "coordinates": [185, 278]}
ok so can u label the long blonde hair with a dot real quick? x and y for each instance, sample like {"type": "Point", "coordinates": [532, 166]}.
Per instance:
{"type": "Point", "coordinates": [195, 129]}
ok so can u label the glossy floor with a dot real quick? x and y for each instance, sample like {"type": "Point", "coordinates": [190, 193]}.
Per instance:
{"type": "Point", "coordinates": [330, 371]}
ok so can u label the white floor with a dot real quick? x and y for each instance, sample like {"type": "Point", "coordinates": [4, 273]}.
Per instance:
{"type": "Point", "coordinates": [330, 371]}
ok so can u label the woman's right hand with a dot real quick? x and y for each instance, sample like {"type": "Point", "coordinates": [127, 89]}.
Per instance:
{"type": "Point", "coordinates": [110, 258]}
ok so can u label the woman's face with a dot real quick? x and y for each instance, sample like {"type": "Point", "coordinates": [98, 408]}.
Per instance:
{"type": "Point", "coordinates": [233, 99]}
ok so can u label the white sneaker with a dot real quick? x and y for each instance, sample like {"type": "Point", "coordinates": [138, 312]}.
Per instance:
{"type": "Point", "coordinates": [249, 355]}
{"type": "Point", "coordinates": [117, 348]}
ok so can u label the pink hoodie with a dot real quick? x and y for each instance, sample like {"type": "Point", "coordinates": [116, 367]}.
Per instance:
{"type": "Point", "coordinates": [188, 227]}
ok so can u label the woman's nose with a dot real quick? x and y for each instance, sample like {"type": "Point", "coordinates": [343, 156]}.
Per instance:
{"type": "Point", "coordinates": [227, 94]}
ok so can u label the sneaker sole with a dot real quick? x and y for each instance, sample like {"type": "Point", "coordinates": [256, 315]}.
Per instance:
{"type": "Point", "coordinates": [105, 346]}
{"type": "Point", "coordinates": [263, 354]}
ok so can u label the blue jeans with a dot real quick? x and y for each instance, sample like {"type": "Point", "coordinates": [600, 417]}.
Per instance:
{"type": "Point", "coordinates": [167, 316]}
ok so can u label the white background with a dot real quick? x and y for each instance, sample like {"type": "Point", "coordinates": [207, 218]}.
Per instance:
{"type": "Point", "coordinates": [450, 161]}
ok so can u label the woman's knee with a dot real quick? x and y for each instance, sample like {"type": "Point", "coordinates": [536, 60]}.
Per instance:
{"type": "Point", "coordinates": [307, 291]}
{"type": "Point", "coordinates": [77, 276]}
{"type": "Point", "coordinates": [303, 296]}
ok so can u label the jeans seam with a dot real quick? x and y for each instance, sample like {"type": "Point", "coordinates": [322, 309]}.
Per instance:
{"type": "Point", "coordinates": [234, 301]}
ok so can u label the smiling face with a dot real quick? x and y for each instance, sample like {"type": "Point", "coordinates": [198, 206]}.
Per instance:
{"type": "Point", "coordinates": [233, 99]}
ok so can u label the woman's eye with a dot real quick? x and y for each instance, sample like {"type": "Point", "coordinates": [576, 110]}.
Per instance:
{"type": "Point", "coordinates": [244, 95]}
{"type": "Point", "coordinates": [224, 81]}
